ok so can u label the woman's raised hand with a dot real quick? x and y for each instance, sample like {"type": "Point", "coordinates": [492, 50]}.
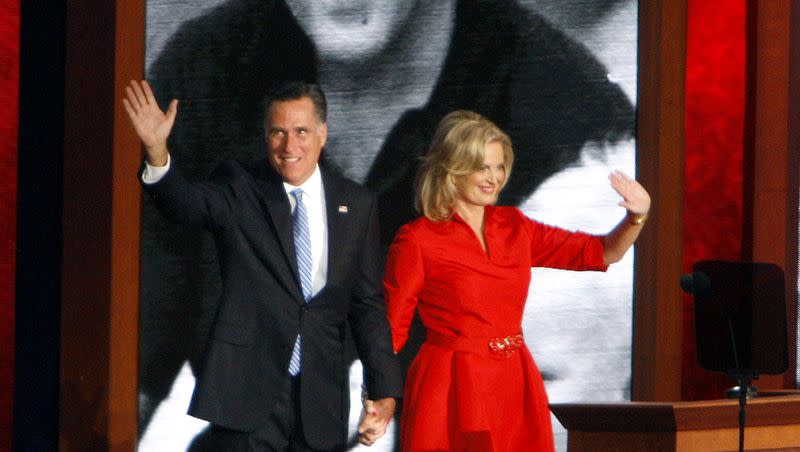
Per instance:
{"type": "Point", "coordinates": [634, 197]}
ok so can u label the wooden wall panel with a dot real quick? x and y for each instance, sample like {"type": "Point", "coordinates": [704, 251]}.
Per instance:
{"type": "Point", "coordinates": [660, 140]}
{"type": "Point", "coordinates": [771, 190]}
{"type": "Point", "coordinates": [102, 204]}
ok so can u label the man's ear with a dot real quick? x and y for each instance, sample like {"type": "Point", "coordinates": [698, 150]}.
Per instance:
{"type": "Point", "coordinates": [323, 134]}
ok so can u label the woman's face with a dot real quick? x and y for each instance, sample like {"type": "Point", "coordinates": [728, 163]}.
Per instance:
{"type": "Point", "coordinates": [482, 187]}
{"type": "Point", "coordinates": [347, 29]}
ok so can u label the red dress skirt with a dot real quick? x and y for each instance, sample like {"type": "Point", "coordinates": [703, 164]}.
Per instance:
{"type": "Point", "coordinates": [474, 385]}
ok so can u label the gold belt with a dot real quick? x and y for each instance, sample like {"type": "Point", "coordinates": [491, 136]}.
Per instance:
{"type": "Point", "coordinates": [504, 346]}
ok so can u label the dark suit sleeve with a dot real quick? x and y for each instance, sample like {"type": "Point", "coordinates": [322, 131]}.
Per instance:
{"type": "Point", "coordinates": [368, 320]}
{"type": "Point", "coordinates": [203, 204]}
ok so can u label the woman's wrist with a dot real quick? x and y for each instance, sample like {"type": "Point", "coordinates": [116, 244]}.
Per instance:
{"type": "Point", "coordinates": [636, 219]}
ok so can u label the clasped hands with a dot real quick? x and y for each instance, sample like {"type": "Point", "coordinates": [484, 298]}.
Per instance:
{"type": "Point", "coordinates": [375, 418]}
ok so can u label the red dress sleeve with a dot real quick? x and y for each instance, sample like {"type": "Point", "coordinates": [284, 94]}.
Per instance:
{"type": "Point", "coordinates": [402, 283]}
{"type": "Point", "coordinates": [554, 247]}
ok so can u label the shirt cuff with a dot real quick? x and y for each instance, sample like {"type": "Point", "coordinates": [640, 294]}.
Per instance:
{"type": "Point", "coordinates": [153, 174]}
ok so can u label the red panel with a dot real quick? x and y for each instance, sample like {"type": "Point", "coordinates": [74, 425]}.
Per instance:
{"type": "Point", "coordinates": [9, 114]}
{"type": "Point", "coordinates": [715, 109]}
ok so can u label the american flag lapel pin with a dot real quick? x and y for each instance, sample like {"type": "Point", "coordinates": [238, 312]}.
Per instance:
{"type": "Point", "coordinates": [342, 209]}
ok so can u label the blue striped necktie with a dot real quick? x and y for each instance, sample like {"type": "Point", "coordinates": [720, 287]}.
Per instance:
{"type": "Point", "coordinates": [302, 249]}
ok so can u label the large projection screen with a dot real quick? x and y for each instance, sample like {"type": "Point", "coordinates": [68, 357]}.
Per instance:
{"type": "Point", "coordinates": [562, 84]}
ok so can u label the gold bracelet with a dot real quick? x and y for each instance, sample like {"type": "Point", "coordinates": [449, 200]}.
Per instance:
{"type": "Point", "coordinates": [637, 220]}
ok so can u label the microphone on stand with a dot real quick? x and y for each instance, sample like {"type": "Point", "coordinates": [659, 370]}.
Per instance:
{"type": "Point", "coordinates": [696, 283]}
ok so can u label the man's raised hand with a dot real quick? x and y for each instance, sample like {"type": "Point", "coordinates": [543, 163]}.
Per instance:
{"type": "Point", "coordinates": [151, 124]}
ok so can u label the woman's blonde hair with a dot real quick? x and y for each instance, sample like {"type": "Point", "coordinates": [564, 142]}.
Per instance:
{"type": "Point", "coordinates": [457, 150]}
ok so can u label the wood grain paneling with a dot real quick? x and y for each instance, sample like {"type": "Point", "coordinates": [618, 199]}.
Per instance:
{"type": "Point", "coordinates": [657, 315]}
{"type": "Point", "coordinates": [102, 204]}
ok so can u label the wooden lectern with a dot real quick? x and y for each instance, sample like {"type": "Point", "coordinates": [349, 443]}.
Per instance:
{"type": "Point", "coordinates": [772, 424]}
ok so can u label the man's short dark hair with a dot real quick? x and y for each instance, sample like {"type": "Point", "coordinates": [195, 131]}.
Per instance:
{"type": "Point", "coordinates": [296, 90]}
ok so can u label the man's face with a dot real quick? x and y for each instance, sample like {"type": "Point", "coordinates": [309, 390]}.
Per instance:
{"type": "Point", "coordinates": [295, 137]}
{"type": "Point", "coordinates": [346, 29]}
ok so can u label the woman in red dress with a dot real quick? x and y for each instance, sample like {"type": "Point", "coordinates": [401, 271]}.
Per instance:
{"type": "Point", "coordinates": [466, 265]}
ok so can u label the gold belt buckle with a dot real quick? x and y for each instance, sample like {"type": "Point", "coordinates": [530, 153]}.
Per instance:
{"type": "Point", "coordinates": [507, 345]}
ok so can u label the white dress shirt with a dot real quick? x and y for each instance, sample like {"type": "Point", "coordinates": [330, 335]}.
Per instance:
{"type": "Point", "coordinates": [313, 198]}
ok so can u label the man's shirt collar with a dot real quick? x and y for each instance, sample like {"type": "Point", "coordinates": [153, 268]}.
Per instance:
{"type": "Point", "coordinates": [311, 187]}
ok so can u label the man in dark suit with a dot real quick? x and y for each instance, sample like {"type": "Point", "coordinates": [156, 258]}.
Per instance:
{"type": "Point", "coordinates": [299, 254]}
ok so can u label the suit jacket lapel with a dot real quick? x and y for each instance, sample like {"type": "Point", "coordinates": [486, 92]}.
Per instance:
{"type": "Point", "coordinates": [334, 199]}
{"type": "Point", "coordinates": [276, 204]}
